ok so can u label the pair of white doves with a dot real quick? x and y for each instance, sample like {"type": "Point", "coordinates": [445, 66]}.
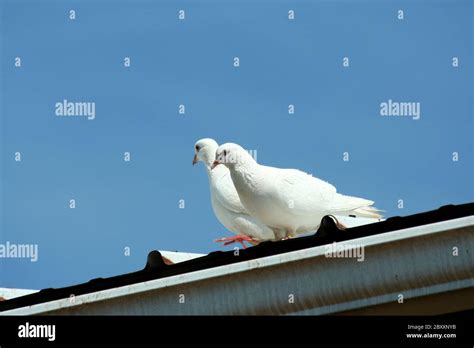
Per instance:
{"type": "Point", "coordinates": [260, 203]}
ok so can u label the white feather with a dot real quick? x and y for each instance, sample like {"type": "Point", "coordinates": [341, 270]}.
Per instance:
{"type": "Point", "coordinates": [225, 200]}
{"type": "Point", "coordinates": [287, 199]}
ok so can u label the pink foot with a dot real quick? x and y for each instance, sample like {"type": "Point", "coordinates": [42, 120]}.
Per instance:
{"type": "Point", "coordinates": [239, 239]}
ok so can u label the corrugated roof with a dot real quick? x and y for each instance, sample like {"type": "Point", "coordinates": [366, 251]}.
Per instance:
{"type": "Point", "coordinates": [327, 233]}
{"type": "Point", "coordinates": [7, 293]}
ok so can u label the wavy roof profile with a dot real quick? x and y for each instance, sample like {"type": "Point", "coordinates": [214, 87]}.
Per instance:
{"type": "Point", "coordinates": [415, 237]}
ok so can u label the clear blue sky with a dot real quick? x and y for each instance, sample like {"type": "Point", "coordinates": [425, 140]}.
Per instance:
{"type": "Point", "coordinates": [190, 62]}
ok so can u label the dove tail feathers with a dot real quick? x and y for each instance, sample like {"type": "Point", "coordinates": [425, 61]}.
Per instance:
{"type": "Point", "coordinates": [349, 205]}
{"type": "Point", "coordinates": [368, 212]}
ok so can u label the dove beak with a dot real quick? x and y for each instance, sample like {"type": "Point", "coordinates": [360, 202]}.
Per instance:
{"type": "Point", "coordinates": [215, 164]}
{"type": "Point", "coordinates": [195, 159]}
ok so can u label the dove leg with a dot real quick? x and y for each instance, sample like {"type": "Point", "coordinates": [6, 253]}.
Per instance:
{"type": "Point", "coordinates": [280, 234]}
{"type": "Point", "coordinates": [289, 234]}
{"type": "Point", "coordinates": [292, 234]}
{"type": "Point", "coordinates": [238, 239]}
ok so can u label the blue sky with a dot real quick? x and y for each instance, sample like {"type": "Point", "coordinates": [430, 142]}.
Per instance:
{"type": "Point", "coordinates": [135, 204]}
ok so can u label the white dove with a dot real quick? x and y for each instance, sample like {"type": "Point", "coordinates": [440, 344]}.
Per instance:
{"type": "Point", "coordinates": [225, 200]}
{"type": "Point", "coordinates": [286, 200]}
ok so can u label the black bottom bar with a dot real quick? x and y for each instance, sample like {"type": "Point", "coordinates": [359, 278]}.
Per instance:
{"type": "Point", "coordinates": [448, 329]}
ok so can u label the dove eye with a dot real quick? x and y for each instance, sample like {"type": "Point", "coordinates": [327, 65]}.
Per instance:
{"type": "Point", "coordinates": [197, 147]}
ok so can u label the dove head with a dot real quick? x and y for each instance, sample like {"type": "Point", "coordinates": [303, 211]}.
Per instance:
{"type": "Point", "coordinates": [231, 155]}
{"type": "Point", "coordinates": [205, 150]}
